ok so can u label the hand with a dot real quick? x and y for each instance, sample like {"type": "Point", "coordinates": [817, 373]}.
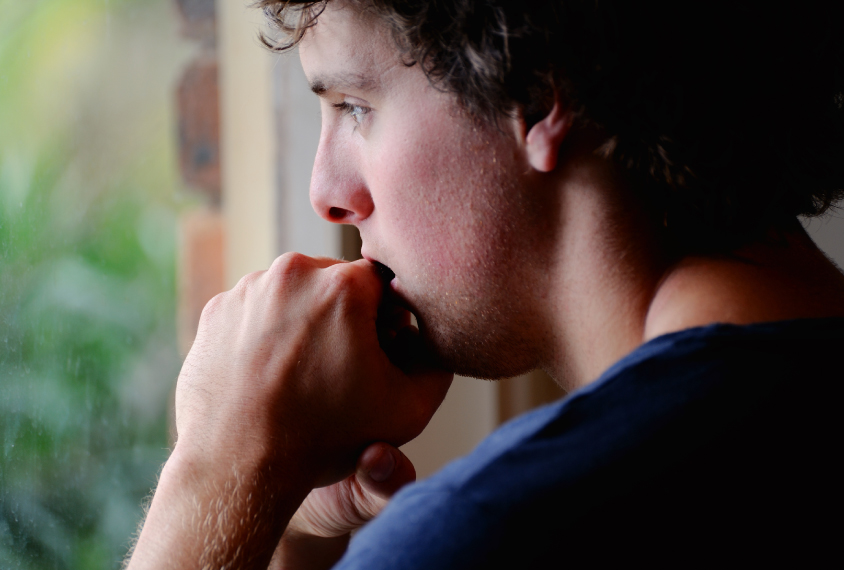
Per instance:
{"type": "Point", "coordinates": [286, 384]}
{"type": "Point", "coordinates": [288, 365]}
{"type": "Point", "coordinates": [318, 533]}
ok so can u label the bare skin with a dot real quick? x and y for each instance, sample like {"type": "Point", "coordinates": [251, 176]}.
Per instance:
{"type": "Point", "coordinates": [781, 279]}
{"type": "Point", "coordinates": [523, 245]}
{"type": "Point", "coordinates": [319, 532]}
{"type": "Point", "coordinates": [269, 406]}
{"type": "Point", "coordinates": [617, 287]}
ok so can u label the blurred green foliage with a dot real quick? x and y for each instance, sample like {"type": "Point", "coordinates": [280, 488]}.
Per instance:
{"type": "Point", "coordinates": [88, 203]}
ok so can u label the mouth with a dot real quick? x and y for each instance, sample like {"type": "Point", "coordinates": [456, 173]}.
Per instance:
{"type": "Point", "coordinates": [391, 287]}
{"type": "Point", "coordinates": [387, 274]}
{"type": "Point", "coordinates": [393, 316]}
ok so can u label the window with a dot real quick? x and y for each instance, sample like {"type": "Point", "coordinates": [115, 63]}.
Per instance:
{"type": "Point", "coordinates": [89, 198]}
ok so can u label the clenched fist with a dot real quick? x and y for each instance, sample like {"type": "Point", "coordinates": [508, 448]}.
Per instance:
{"type": "Point", "coordinates": [289, 362]}
{"type": "Point", "coordinates": [293, 373]}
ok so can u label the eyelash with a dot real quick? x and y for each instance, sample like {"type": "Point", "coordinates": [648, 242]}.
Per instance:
{"type": "Point", "coordinates": [350, 109]}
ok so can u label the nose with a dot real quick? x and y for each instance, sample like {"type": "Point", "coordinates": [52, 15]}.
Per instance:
{"type": "Point", "coordinates": [339, 192]}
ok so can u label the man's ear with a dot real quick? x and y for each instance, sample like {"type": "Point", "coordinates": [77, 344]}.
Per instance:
{"type": "Point", "coordinates": [545, 137]}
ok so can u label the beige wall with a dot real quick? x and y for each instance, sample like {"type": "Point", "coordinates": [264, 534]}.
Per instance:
{"type": "Point", "coordinates": [297, 126]}
{"type": "Point", "coordinates": [248, 145]}
{"type": "Point", "coordinates": [828, 233]}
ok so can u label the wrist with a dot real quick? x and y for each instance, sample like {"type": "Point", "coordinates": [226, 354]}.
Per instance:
{"type": "Point", "coordinates": [260, 463]}
{"type": "Point", "coordinates": [213, 513]}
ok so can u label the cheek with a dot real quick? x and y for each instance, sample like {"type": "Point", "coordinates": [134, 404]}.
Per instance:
{"type": "Point", "coordinates": [414, 186]}
{"type": "Point", "coordinates": [412, 156]}
{"type": "Point", "coordinates": [440, 196]}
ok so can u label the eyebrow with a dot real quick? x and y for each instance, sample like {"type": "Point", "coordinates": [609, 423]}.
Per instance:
{"type": "Point", "coordinates": [342, 81]}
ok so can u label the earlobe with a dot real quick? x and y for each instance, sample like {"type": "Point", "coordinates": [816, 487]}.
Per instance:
{"type": "Point", "coordinates": [545, 137]}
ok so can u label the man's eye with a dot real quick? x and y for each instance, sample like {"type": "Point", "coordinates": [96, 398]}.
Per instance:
{"type": "Point", "coordinates": [356, 111]}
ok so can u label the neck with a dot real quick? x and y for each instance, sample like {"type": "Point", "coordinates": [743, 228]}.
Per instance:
{"type": "Point", "coordinates": [606, 268]}
{"type": "Point", "coordinates": [616, 286]}
{"type": "Point", "coordinates": [782, 277]}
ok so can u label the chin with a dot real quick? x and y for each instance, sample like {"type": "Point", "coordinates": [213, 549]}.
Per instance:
{"type": "Point", "coordinates": [478, 352]}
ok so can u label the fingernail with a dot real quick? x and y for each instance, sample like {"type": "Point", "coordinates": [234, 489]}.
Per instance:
{"type": "Point", "coordinates": [383, 468]}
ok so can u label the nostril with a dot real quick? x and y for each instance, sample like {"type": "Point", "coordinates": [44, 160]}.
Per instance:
{"type": "Point", "coordinates": [337, 214]}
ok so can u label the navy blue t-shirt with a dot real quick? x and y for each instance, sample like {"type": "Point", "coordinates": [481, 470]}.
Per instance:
{"type": "Point", "coordinates": [713, 445]}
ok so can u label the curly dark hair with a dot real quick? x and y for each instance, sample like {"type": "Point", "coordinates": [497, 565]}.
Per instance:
{"type": "Point", "coordinates": [729, 116]}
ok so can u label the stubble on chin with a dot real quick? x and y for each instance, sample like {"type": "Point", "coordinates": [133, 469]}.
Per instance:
{"type": "Point", "coordinates": [480, 338]}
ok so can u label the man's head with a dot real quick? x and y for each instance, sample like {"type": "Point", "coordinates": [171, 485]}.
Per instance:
{"type": "Point", "coordinates": [728, 115]}
{"type": "Point", "coordinates": [446, 126]}
{"type": "Point", "coordinates": [441, 198]}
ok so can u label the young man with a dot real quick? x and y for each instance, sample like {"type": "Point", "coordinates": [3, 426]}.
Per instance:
{"type": "Point", "coordinates": [605, 191]}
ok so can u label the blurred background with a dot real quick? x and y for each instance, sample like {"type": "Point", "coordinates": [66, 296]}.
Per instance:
{"type": "Point", "coordinates": [151, 153]}
{"type": "Point", "coordinates": [89, 199]}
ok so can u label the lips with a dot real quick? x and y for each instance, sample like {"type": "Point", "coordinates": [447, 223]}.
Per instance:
{"type": "Point", "coordinates": [384, 272]}
{"type": "Point", "coordinates": [388, 278]}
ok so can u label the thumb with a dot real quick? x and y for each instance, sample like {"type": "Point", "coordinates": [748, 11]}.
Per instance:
{"type": "Point", "coordinates": [382, 470]}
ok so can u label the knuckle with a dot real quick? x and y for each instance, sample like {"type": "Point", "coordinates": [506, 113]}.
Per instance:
{"type": "Point", "coordinates": [291, 260]}
{"type": "Point", "coordinates": [213, 306]}
{"type": "Point", "coordinates": [288, 266]}
{"type": "Point", "coordinates": [341, 281]}
{"type": "Point", "coordinates": [348, 279]}
{"type": "Point", "coordinates": [346, 288]}
{"type": "Point", "coordinates": [363, 506]}
{"type": "Point", "coordinates": [247, 282]}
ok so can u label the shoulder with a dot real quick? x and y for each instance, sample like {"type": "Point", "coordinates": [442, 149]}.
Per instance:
{"type": "Point", "coordinates": [785, 278]}
{"type": "Point", "coordinates": [616, 458]}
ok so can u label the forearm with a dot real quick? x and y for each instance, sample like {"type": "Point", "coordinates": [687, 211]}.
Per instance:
{"type": "Point", "coordinates": [203, 520]}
